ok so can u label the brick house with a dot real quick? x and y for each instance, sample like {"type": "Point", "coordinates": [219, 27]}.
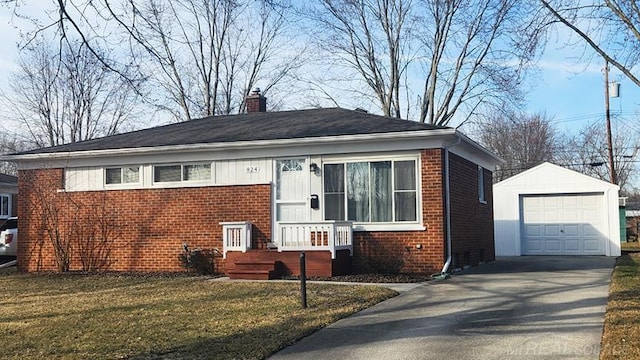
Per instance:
{"type": "Point", "coordinates": [357, 192]}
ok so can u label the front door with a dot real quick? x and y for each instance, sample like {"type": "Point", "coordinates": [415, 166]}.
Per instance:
{"type": "Point", "coordinates": [292, 191]}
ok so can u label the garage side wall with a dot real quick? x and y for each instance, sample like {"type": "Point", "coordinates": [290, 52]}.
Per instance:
{"type": "Point", "coordinates": [145, 228]}
{"type": "Point", "coordinates": [471, 219]}
{"type": "Point", "coordinates": [506, 221]}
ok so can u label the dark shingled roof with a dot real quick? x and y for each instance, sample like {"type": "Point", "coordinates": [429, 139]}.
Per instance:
{"type": "Point", "coordinates": [248, 127]}
{"type": "Point", "coordinates": [8, 179]}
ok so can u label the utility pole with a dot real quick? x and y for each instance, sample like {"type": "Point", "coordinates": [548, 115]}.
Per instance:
{"type": "Point", "coordinates": [607, 113]}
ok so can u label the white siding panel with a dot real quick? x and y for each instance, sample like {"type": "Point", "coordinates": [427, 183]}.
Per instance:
{"type": "Point", "coordinates": [229, 172]}
{"type": "Point", "coordinates": [71, 179]}
{"type": "Point", "coordinates": [243, 172]}
{"type": "Point", "coordinates": [83, 179]}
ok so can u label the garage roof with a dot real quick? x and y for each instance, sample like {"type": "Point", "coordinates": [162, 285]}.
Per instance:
{"type": "Point", "coordinates": [556, 179]}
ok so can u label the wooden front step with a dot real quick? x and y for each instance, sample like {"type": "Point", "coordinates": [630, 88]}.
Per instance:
{"type": "Point", "coordinates": [254, 270]}
{"type": "Point", "coordinates": [319, 263]}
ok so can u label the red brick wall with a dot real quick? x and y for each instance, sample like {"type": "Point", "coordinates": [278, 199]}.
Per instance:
{"type": "Point", "coordinates": [372, 249]}
{"type": "Point", "coordinates": [150, 224]}
{"type": "Point", "coordinates": [471, 220]}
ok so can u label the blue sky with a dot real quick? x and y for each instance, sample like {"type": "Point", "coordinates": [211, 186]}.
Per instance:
{"type": "Point", "coordinates": [572, 92]}
{"type": "Point", "coordinates": [569, 91]}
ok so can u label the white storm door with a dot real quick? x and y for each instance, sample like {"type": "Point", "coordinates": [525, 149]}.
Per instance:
{"type": "Point", "coordinates": [292, 190]}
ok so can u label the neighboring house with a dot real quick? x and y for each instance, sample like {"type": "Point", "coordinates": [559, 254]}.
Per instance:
{"type": "Point", "coordinates": [8, 196]}
{"type": "Point", "coordinates": [355, 191]}
{"type": "Point", "coordinates": [550, 210]}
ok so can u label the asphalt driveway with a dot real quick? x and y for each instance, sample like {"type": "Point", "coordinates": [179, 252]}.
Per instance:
{"type": "Point", "coordinates": [539, 307]}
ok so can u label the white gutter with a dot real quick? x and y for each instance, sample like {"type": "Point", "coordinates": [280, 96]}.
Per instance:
{"type": "Point", "coordinates": [447, 203]}
{"type": "Point", "coordinates": [232, 145]}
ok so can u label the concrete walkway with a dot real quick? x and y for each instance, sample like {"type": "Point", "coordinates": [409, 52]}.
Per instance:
{"type": "Point", "coordinates": [514, 308]}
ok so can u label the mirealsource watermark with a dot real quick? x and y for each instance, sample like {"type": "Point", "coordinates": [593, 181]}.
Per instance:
{"type": "Point", "coordinates": [565, 349]}
{"type": "Point", "coordinates": [559, 348]}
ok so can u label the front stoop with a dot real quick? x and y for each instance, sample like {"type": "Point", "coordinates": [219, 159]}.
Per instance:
{"type": "Point", "coordinates": [271, 264]}
{"type": "Point", "coordinates": [254, 270]}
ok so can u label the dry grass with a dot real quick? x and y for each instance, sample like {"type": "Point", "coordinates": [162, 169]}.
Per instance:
{"type": "Point", "coordinates": [621, 336]}
{"type": "Point", "coordinates": [80, 317]}
{"type": "Point", "coordinates": [630, 246]}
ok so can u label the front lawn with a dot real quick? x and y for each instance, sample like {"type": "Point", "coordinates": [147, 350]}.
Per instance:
{"type": "Point", "coordinates": [630, 246]}
{"type": "Point", "coordinates": [178, 317]}
{"type": "Point", "coordinates": [621, 336]}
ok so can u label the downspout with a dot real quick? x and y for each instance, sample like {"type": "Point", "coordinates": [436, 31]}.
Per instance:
{"type": "Point", "coordinates": [447, 210]}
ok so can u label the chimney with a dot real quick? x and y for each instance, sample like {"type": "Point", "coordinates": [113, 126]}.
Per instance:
{"type": "Point", "coordinates": [256, 102]}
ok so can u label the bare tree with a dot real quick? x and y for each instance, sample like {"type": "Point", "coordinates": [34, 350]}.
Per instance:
{"type": "Point", "coordinates": [79, 233]}
{"type": "Point", "coordinates": [93, 234]}
{"type": "Point", "coordinates": [611, 28]}
{"type": "Point", "coordinates": [66, 95]}
{"type": "Point", "coordinates": [201, 57]}
{"type": "Point", "coordinates": [372, 37]}
{"type": "Point", "coordinates": [49, 219]}
{"type": "Point", "coordinates": [208, 55]}
{"type": "Point", "coordinates": [475, 55]}
{"type": "Point", "coordinates": [587, 153]}
{"type": "Point", "coordinates": [455, 57]}
{"type": "Point", "coordinates": [521, 140]}
{"type": "Point", "coordinates": [9, 143]}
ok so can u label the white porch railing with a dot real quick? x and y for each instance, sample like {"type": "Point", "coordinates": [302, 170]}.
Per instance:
{"type": "Point", "coordinates": [236, 236]}
{"type": "Point", "coordinates": [327, 235]}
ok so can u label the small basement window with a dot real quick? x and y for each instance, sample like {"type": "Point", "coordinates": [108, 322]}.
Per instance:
{"type": "Point", "coordinates": [122, 175]}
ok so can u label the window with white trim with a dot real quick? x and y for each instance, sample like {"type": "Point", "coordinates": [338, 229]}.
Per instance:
{"type": "Point", "coordinates": [481, 184]}
{"type": "Point", "coordinates": [5, 205]}
{"type": "Point", "coordinates": [187, 172]}
{"type": "Point", "coordinates": [371, 191]}
{"type": "Point", "coordinates": [122, 175]}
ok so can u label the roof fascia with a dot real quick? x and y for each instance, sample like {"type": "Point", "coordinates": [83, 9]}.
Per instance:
{"type": "Point", "coordinates": [253, 144]}
{"type": "Point", "coordinates": [384, 142]}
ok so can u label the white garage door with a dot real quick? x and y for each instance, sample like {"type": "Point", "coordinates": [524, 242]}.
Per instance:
{"type": "Point", "coordinates": [563, 224]}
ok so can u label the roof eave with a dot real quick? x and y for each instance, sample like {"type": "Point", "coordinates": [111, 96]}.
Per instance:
{"type": "Point", "coordinates": [480, 148]}
{"type": "Point", "coordinates": [238, 144]}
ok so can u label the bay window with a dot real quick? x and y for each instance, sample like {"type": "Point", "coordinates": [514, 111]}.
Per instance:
{"type": "Point", "coordinates": [371, 191]}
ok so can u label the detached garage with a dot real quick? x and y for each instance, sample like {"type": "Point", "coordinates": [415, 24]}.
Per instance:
{"type": "Point", "coordinates": [550, 210]}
